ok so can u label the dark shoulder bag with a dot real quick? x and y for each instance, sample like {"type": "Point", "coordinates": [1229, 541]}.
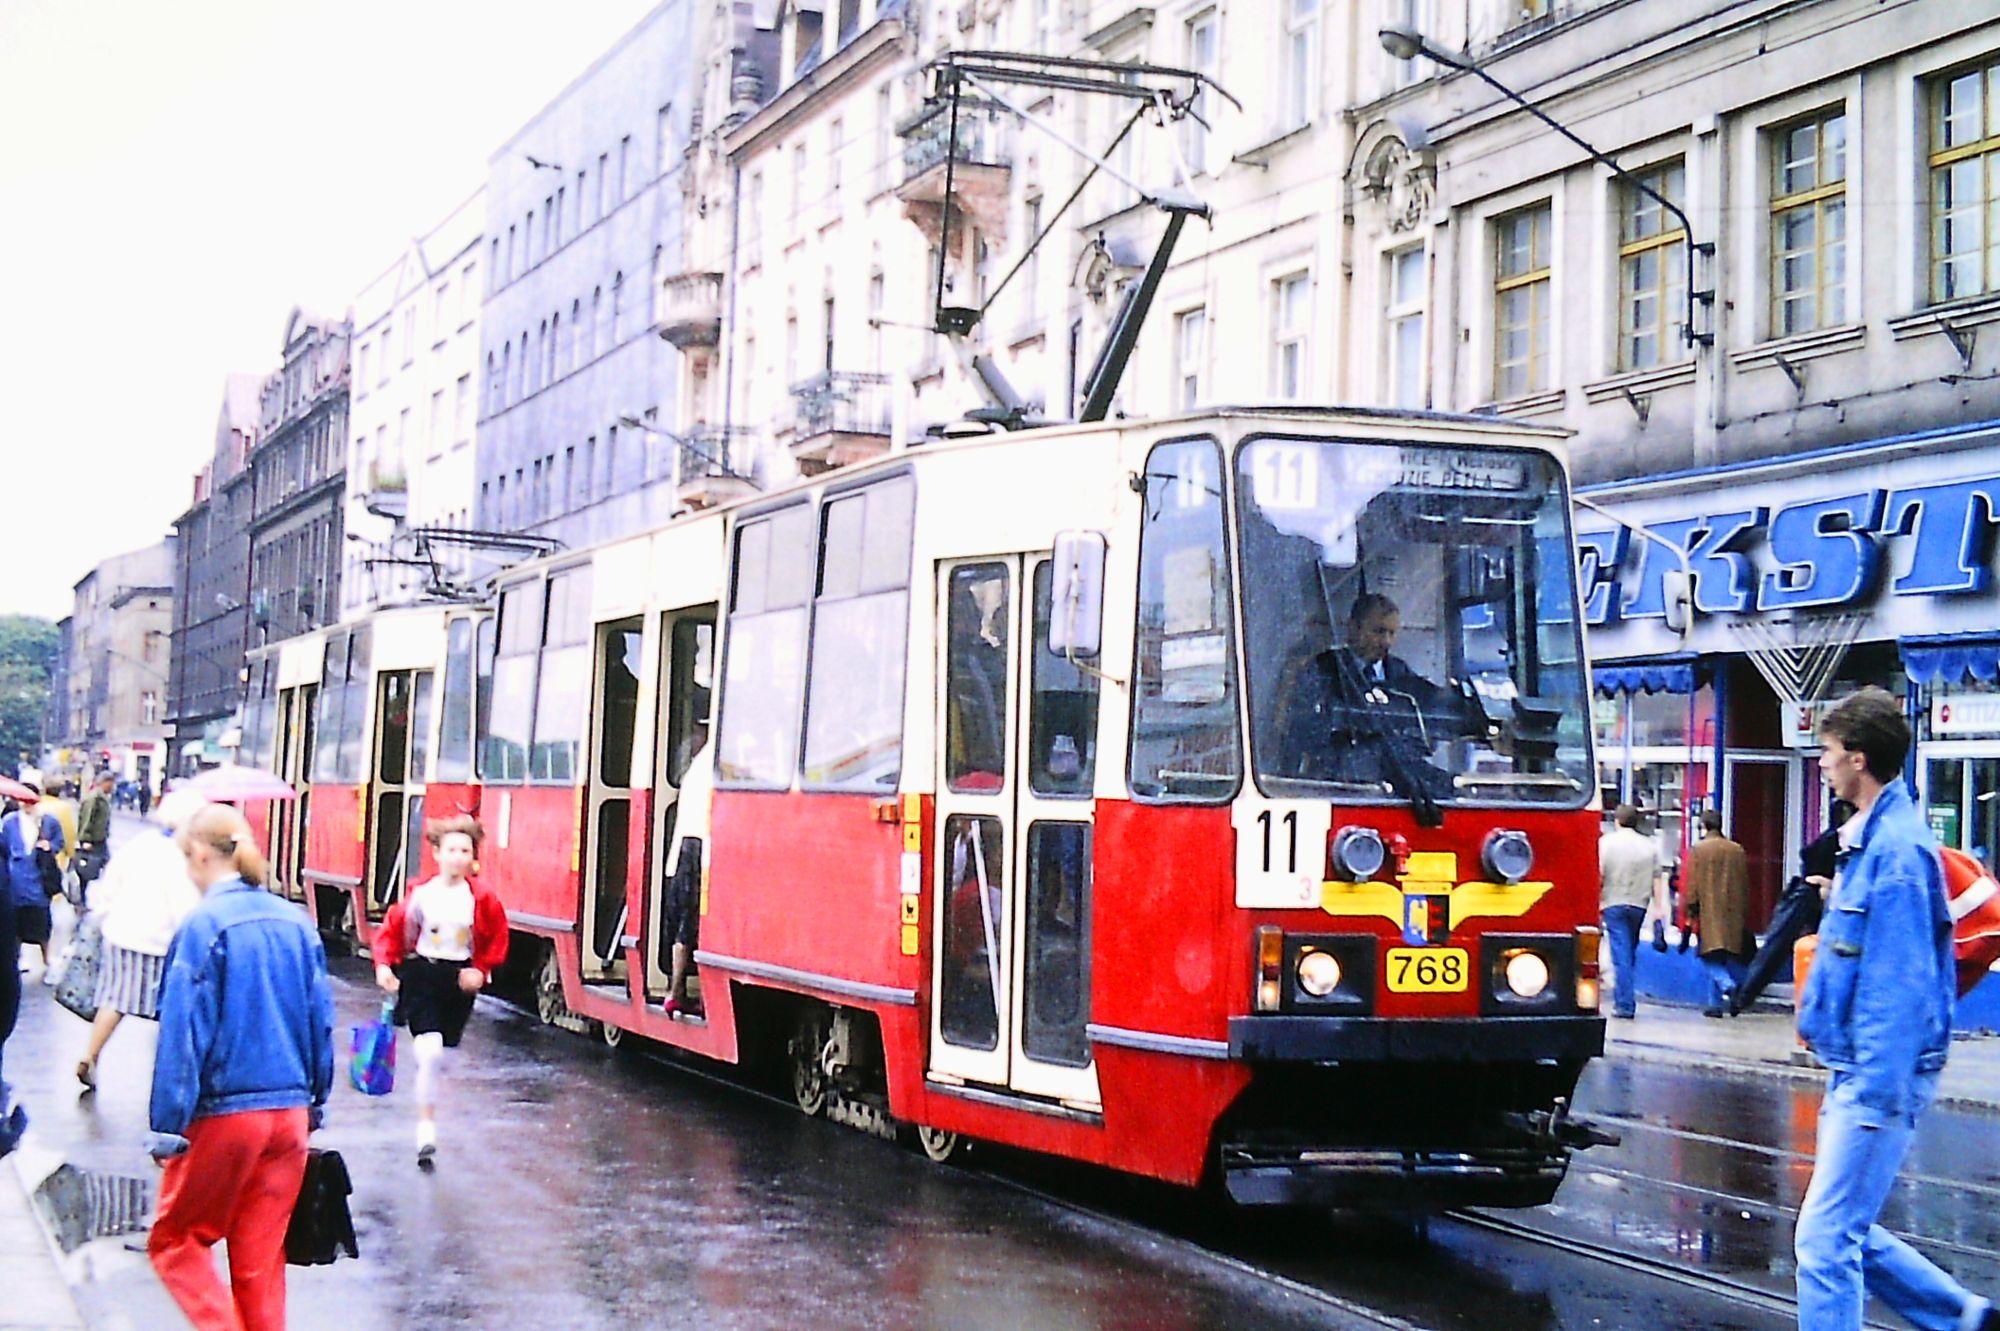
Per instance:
{"type": "Point", "coordinates": [322, 1226]}
{"type": "Point", "coordinates": [45, 860]}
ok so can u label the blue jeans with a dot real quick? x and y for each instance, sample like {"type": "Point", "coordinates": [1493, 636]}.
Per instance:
{"type": "Point", "coordinates": [1843, 1254]}
{"type": "Point", "coordinates": [1725, 972]}
{"type": "Point", "coordinates": [1621, 931]}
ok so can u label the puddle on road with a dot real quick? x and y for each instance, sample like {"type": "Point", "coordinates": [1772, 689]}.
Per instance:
{"type": "Point", "coordinates": [79, 1205]}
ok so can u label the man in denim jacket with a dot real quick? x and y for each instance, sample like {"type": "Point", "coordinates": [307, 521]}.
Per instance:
{"type": "Point", "coordinates": [1877, 1011]}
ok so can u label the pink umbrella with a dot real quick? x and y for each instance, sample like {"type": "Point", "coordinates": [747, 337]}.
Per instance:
{"type": "Point", "coordinates": [14, 790]}
{"type": "Point", "coordinates": [233, 782]}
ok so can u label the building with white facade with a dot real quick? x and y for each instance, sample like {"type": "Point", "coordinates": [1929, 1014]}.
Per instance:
{"type": "Point", "coordinates": [583, 221]}
{"type": "Point", "coordinates": [411, 414]}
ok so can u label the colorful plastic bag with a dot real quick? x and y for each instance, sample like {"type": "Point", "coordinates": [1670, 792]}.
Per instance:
{"type": "Point", "coordinates": [371, 1062]}
{"type": "Point", "coordinates": [77, 989]}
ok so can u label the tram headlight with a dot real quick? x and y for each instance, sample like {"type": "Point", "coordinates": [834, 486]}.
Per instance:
{"type": "Point", "coordinates": [1507, 855]}
{"type": "Point", "coordinates": [1525, 972]}
{"type": "Point", "coordinates": [1358, 854]}
{"type": "Point", "coordinates": [1319, 973]}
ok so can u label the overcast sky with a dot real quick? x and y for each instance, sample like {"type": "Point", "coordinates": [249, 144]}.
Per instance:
{"type": "Point", "coordinates": [174, 177]}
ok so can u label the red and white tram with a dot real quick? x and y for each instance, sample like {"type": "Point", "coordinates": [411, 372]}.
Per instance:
{"type": "Point", "coordinates": [1204, 797]}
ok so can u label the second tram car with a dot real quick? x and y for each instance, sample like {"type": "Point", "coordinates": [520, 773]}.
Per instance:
{"type": "Point", "coordinates": [1204, 798]}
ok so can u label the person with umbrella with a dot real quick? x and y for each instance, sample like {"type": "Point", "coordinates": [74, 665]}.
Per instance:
{"type": "Point", "coordinates": [139, 902]}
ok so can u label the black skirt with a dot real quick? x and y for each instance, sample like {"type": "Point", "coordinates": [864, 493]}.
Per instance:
{"type": "Point", "coordinates": [430, 999]}
{"type": "Point", "coordinates": [32, 923]}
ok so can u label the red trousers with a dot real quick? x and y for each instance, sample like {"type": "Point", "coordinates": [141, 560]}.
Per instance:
{"type": "Point", "coordinates": [238, 1180]}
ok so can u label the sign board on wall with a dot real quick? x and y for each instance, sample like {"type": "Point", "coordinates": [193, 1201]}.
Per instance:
{"type": "Point", "coordinates": [1965, 714]}
{"type": "Point", "coordinates": [1902, 535]}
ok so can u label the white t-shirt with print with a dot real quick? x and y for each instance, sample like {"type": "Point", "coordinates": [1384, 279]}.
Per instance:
{"type": "Point", "coordinates": [443, 912]}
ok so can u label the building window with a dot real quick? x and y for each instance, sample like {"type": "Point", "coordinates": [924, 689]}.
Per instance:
{"type": "Point", "coordinates": [1965, 183]}
{"type": "Point", "coordinates": [1521, 286]}
{"type": "Point", "coordinates": [1403, 356]}
{"type": "Point", "coordinates": [1300, 65]}
{"type": "Point", "coordinates": [835, 141]}
{"type": "Point", "coordinates": [1527, 11]}
{"type": "Point", "coordinates": [603, 184]}
{"type": "Point", "coordinates": [1190, 353]}
{"type": "Point", "coordinates": [562, 211]}
{"type": "Point", "coordinates": [1415, 15]}
{"type": "Point", "coordinates": [885, 138]}
{"type": "Point", "coordinates": [1201, 59]}
{"type": "Point", "coordinates": [461, 427]}
{"type": "Point", "coordinates": [876, 361]}
{"type": "Point", "coordinates": [663, 139]}
{"type": "Point", "coordinates": [1291, 300]}
{"type": "Point", "coordinates": [625, 168]}
{"type": "Point", "coordinates": [753, 219]}
{"type": "Point", "coordinates": [798, 180]}
{"type": "Point", "coordinates": [1652, 272]}
{"type": "Point", "coordinates": [1809, 225]}
{"type": "Point", "coordinates": [1031, 262]}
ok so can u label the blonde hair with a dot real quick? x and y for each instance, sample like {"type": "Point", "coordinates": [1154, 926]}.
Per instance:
{"type": "Point", "coordinates": [460, 824]}
{"type": "Point", "coordinates": [222, 829]}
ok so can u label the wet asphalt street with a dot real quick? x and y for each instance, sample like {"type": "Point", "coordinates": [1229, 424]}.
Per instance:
{"type": "Point", "coordinates": [582, 1187]}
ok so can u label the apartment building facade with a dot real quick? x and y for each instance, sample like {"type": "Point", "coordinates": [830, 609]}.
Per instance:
{"type": "Point", "coordinates": [297, 478]}
{"type": "Point", "coordinates": [411, 415]}
{"type": "Point", "coordinates": [120, 639]}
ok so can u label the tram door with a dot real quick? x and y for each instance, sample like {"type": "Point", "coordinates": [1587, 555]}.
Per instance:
{"type": "Point", "coordinates": [686, 694]}
{"type": "Point", "coordinates": [298, 710]}
{"type": "Point", "coordinates": [607, 810]}
{"type": "Point", "coordinates": [1011, 910]}
{"type": "Point", "coordinates": [402, 761]}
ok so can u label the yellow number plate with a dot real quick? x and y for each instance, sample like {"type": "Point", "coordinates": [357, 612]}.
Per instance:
{"type": "Point", "coordinates": [1428, 970]}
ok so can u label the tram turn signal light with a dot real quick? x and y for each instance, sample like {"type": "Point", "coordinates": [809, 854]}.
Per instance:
{"type": "Point", "coordinates": [1270, 967]}
{"type": "Point", "coordinates": [1588, 990]}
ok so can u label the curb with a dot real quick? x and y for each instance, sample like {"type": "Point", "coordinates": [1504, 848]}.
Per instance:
{"type": "Point", "coordinates": [1640, 1051]}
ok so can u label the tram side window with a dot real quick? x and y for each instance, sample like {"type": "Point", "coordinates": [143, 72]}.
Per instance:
{"type": "Point", "coordinates": [977, 614]}
{"type": "Point", "coordinates": [763, 681]}
{"type": "Point", "coordinates": [332, 695]}
{"type": "Point", "coordinates": [454, 757]}
{"type": "Point", "coordinates": [1058, 953]}
{"type": "Point", "coordinates": [507, 695]}
{"type": "Point", "coordinates": [1185, 742]}
{"type": "Point", "coordinates": [354, 712]}
{"type": "Point", "coordinates": [267, 719]}
{"type": "Point", "coordinates": [422, 702]}
{"type": "Point", "coordinates": [691, 670]}
{"type": "Point", "coordinates": [860, 638]}
{"type": "Point", "coordinates": [1062, 709]}
{"type": "Point", "coordinates": [562, 695]}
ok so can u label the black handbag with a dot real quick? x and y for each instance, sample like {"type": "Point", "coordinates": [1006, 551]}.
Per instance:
{"type": "Point", "coordinates": [51, 872]}
{"type": "Point", "coordinates": [321, 1225]}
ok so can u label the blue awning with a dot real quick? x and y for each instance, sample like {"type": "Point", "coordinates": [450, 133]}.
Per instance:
{"type": "Point", "coordinates": [1947, 659]}
{"type": "Point", "coordinates": [1660, 674]}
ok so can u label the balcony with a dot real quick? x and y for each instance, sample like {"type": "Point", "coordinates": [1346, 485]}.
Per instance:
{"type": "Point", "coordinates": [385, 490]}
{"type": "Point", "coordinates": [716, 463]}
{"type": "Point", "coordinates": [691, 310]}
{"type": "Point", "coordinates": [981, 155]}
{"type": "Point", "coordinates": [839, 418]}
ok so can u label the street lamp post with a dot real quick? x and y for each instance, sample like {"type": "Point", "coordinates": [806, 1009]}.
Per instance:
{"type": "Point", "coordinates": [1406, 43]}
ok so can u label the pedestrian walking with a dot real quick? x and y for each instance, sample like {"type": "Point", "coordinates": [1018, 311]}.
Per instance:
{"type": "Point", "coordinates": [1877, 1011]}
{"type": "Point", "coordinates": [1718, 895]}
{"type": "Point", "coordinates": [30, 841]}
{"type": "Point", "coordinates": [13, 1118]}
{"type": "Point", "coordinates": [1798, 910]}
{"type": "Point", "coordinates": [140, 901]}
{"type": "Point", "coordinates": [93, 829]}
{"type": "Point", "coordinates": [1628, 864]}
{"type": "Point", "coordinates": [244, 1069]}
{"type": "Point", "coordinates": [436, 949]}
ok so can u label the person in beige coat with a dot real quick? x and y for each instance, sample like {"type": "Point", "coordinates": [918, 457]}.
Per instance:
{"type": "Point", "coordinates": [1716, 881]}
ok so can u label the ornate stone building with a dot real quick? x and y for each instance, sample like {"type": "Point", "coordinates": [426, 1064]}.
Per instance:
{"type": "Point", "coordinates": [297, 479]}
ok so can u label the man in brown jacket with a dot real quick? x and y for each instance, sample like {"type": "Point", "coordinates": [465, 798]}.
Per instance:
{"type": "Point", "coordinates": [1717, 886]}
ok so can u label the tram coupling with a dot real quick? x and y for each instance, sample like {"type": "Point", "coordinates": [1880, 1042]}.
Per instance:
{"type": "Point", "coordinates": [1555, 1127]}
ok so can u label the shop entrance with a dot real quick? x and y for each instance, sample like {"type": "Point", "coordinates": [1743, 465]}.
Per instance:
{"type": "Point", "coordinates": [1759, 792]}
{"type": "Point", "coordinates": [1962, 797]}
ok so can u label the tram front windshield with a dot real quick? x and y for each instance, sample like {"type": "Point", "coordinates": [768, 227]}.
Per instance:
{"type": "Point", "coordinates": [1410, 624]}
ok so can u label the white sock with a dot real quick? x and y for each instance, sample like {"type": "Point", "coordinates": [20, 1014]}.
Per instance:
{"type": "Point", "coordinates": [427, 1133]}
{"type": "Point", "coordinates": [429, 1049]}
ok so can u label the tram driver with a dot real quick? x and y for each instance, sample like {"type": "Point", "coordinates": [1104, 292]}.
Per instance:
{"type": "Point", "coordinates": [1364, 714]}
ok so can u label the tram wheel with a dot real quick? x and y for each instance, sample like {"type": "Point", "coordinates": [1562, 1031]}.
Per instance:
{"type": "Point", "coordinates": [940, 1144]}
{"type": "Point", "coordinates": [808, 1044]}
{"type": "Point", "coordinates": [548, 989]}
{"type": "Point", "coordinates": [613, 1034]}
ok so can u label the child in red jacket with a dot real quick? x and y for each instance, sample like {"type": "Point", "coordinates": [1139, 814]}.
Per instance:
{"type": "Point", "coordinates": [438, 948]}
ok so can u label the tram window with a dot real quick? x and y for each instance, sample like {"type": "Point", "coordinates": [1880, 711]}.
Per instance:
{"type": "Point", "coordinates": [1185, 744]}
{"type": "Point", "coordinates": [860, 638]}
{"type": "Point", "coordinates": [508, 694]}
{"type": "Point", "coordinates": [975, 926]}
{"type": "Point", "coordinates": [267, 718]}
{"type": "Point", "coordinates": [1062, 709]}
{"type": "Point", "coordinates": [392, 758]}
{"type": "Point", "coordinates": [562, 695]}
{"type": "Point", "coordinates": [420, 725]}
{"type": "Point", "coordinates": [620, 704]}
{"type": "Point", "coordinates": [486, 648]}
{"type": "Point", "coordinates": [691, 681]}
{"type": "Point", "coordinates": [1058, 962]}
{"type": "Point", "coordinates": [454, 757]}
{"type": "Point", "coordinates": [977, 615]}
{"type": "Point", "coordinates": [763, 681]}
{"type": "Point", "coordinates": [354, 711]}
{"type": "Point", "coordinates": [332, 694]}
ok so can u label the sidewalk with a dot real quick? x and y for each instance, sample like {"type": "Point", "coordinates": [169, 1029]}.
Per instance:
{"type": "Point", "coordinates": [1763, 1041]}
{"type": "Point", "coordinates": [37, 1294]}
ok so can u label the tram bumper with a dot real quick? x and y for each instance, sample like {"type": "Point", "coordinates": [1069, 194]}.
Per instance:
{"type": "Point", "coordinates": [1413, 1114]}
